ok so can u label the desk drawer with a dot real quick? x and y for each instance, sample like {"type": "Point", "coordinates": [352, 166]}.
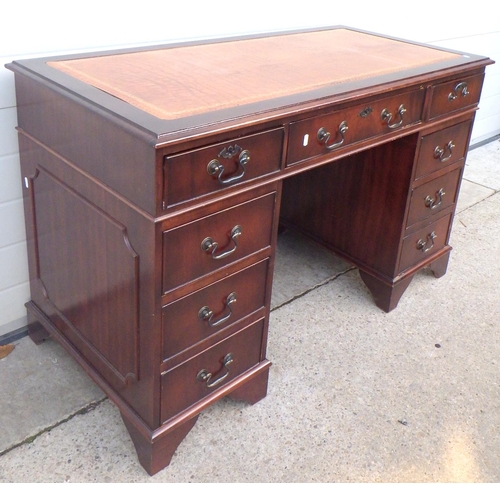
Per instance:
{"type": "Point", "coordinates": [442, 148]}
{"type": "Point", "coordinates": [456, 94]}
{"type": "Point", "coordinates": [212, 242]}
{"type": "Point", "coordinates": [216, 167]}
{"type": "Point", "coordinates": [203, 374]}
{"type": "Point", "coordinates": [345, 127]}
{"type": "Point", "coordinates": [433, 197]}
{"type": "Point", "coordinates": [421, 244]}
{"type": "Point", "coordinates": [204, 313]}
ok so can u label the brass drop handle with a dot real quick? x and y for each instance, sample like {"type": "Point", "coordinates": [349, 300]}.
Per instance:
{"type": "Point", "coordinates": [439, 152]}
{"type": "Point", "coordinates": [424, 244]}
{"type": "Point", "coordinates": [324, 136]}
{"type": "Point", "coordinates": [208, 245]}
{"type": "Point", "coordinates": [206, 376]}
{"type": "Point", "coordinates": [216, 169]}
{"type": "Point", "coordinates": [433, 203]}
{"type": "Point", "coordinates": [460, 89]}
{"type": "Point", "coordinates": [387, 116]}
{"type": "Point", "coordinates": [206, 314]}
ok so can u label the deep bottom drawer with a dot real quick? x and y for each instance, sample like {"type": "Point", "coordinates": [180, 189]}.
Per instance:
{"type": "Point", "coordinates": [421, 244]}
{"type": "Point", "coordinates": [201, 375]}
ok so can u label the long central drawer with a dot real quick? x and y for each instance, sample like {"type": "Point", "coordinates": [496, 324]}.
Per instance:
{"type": "Point", "coordinates": [324, 134]}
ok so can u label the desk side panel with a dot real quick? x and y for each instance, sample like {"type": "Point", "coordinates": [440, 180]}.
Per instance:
{"type": "Point", "coordinates": [91, 261]}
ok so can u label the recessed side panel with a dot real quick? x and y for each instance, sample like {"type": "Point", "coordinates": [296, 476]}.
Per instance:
{"type": "Point", "coordinates": [89, 273]}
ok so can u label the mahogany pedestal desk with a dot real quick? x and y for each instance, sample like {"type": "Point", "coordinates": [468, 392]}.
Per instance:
{"type": "Point", "coordinates": [155, 180]}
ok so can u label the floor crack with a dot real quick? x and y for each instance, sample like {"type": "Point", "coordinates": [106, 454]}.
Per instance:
{"type": "Point", "coordinates": [82, 411]}
{"type": "Point", "coordinates": [315, 287]}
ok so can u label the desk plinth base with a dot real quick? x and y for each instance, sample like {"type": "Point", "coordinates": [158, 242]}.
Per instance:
{"type": "Point", "coordinates": [155, 451]}
{"type": "Point", "coordinates": [155, 447]}
{"type": "Point", "coordinates": [387, 295]}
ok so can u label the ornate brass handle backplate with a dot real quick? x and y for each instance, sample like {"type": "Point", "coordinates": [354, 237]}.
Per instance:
{"type": "Point", "coordinates": [216, 169]}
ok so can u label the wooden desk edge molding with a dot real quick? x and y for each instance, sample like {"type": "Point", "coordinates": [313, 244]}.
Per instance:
{"type": "Point", "coordinates": [155, 180]}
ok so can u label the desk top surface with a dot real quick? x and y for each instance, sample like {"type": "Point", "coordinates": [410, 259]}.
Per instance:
{"type": "Point", "coordinates": [177, 82]}
{"type": "Point", "coordinates": [189, 85]}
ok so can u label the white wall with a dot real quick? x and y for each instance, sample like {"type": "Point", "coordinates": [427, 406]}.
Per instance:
{"type": "Point", "coordinates": [33, 28]}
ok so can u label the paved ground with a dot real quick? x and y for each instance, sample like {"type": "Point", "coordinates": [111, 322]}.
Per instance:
{"type": "Point", "coordinates": [355, 395]}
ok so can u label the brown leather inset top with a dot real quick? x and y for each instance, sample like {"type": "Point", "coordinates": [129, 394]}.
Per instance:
{"type": "Point", "coordinates": [177, 82]}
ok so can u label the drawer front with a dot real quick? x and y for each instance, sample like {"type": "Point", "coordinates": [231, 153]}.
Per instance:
{"type": "Point", "coordinates": [204, 313]}
{"type": "Point", "coordinates": [330, 132]}
{"type": "Point", "coordinates": [422, 244]}
{"type": "Point", "coordinates": [201, 375]}
{"type": "Point", "coordinates": [210, 243]}
{"type": "Point", "coordinates": [433, 197]}
{"type": "Point", "coordinates": [456, 94]}
{"type": "Point", "coordinates": [219, 166]}
{"type": "Point", "coordinates": [442, 148]}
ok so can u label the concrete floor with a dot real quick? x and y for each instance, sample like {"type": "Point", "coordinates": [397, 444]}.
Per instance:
{"type": "Point", "coordinates": [355, 395]}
